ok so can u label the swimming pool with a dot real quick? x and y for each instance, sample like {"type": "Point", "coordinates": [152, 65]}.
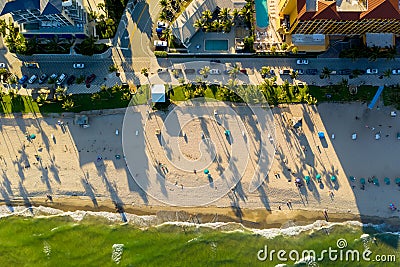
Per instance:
{"type": "Point", "coordinates": [262, 19]}
{"type": "Point", "coordinates": [216, 45]}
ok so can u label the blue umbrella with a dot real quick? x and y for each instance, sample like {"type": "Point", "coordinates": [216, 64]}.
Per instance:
{"type": "Point", "coordinates": [321, 135]}
{"type": "Point", "coordinates": [333, 178]}
{"type": "Point", "coordinates": [387, 180]}
{"type": "Point", "coordinates": [206, 171]}
{"type": "Point", "coordinates": [352, 178]}
{"type": "Point", "coordinates": [318, 176]}
{"type": "Point", "coordinates": [375, 181]}
{"type": "Point", "coordinates": [397, 180]}
{"type": "Point", "coordinates": [159, 30]}
{"type": "Point", "coordinates": [307, 178]}
{"type": "Point", "coordinates": [362, 180]}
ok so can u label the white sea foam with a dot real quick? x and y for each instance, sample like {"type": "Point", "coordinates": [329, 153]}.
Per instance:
{"type": "Point", "coordinates": [117, 250]}
{"type": "Point", "coordinates": [146, 221]}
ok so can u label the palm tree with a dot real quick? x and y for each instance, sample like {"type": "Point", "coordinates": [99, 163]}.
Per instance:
{"type": "Point", "coordinates": [207, 15]}
{"type": "Point", "coordinates": [326, 73]}
{"type": "Point", "coordinates": [167, 35]}
{"type": "Point", "coordinates": [68, 104]}
{"type": "Point", "coordinates": [295, 50]}
{"type": "Point", "coordinates": [205, 71]}
{"type": "Point", "coordinates": [199, 24]}
{"type": "Point", "coordinates": [145, 72]}
{"type": "Point", "coordinates": [216, 26]}
{"type": "Point", "coordinates": [235, 14]}
{"type": "Point", "coordinates": [374, 53]}
{"type": "Point", "coordinates": [224, 14]}
{"type": "Point", "coordinates": [387, 73]}
{"type": "Point", "coordinates": [227, 26]}
{"type": "Point", "coordinates": [294, 74]}
{"type": "Point", "coordinates": [163, 4]}
{"type": "Point", "coordinates": [88, 46]}
{"type": "Point", "coordinates": [163, 16]}
{"type": "Point", "coordinates": [234, 71]}
{"type": "Point", "coordinates": [265, 70]}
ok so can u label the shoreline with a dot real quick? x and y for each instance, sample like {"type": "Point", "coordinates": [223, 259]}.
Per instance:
{"type": "Point", "coordinates": [255, 218]}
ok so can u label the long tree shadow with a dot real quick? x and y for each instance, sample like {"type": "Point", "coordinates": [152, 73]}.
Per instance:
{"type": "Point", "coordinates": [25, 197]}
{"type": "Point", "coordinates": [89, 192]}
{"type": "Point", "coordinates": [263, 196]}
{"type": "Point", "coordinates": [6, 199]}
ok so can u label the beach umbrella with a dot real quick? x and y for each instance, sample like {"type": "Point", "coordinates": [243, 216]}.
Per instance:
{"type": "Point", "coordinates": [333, 178]}
{"type": "Point", "coordinates": [32, 136]}
{"type": "Point", "coordinates": [375, 181]}
{"type": "Point", "coordinates": [307, 178]}
{"type": "Point", "coordinates": [321, 135]}
{"type": "Point", "coordinates": [206, 171]}
{"type": "Point", "coordinates": [362, 180]}
{"type": "Point", "coordinates": [387, 180]}
{"type": "Point", "coordinates": [397, 180]}
{"type": "Point", "coordinates": [318, 177]}
{"type": "Point", "coordinates": [352, 178]}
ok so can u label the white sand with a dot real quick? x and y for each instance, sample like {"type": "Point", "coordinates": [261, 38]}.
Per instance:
{"type": "Point", "coordinates": [69, 166]}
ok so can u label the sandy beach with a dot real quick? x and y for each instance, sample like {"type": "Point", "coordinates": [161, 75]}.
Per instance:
{"type": "Point", "coordinates": [85, 169]}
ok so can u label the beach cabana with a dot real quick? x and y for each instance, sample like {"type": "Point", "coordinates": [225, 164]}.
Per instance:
{"type": "Point", "coordinates": [333, 178]}
{"type": "Point", "coordinates": [387, 180]}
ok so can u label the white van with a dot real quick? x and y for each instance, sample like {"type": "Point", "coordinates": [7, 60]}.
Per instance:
{"type": "Point", "coordinates": [62, 78]}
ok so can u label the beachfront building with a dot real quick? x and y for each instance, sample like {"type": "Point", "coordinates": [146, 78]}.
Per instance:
{"type": "Point", "coordinates": [47, 17]}
{"type": "Point", "coordinates": [305, 20]}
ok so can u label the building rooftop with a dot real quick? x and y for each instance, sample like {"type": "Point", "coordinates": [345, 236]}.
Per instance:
{"type": "Point", "coordinates": [348, 9]}
{"type": "Point", "coordinates": [351, 5]}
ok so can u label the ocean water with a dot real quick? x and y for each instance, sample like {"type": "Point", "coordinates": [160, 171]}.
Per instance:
{"type": "Point", "coordinates": [56, 238]}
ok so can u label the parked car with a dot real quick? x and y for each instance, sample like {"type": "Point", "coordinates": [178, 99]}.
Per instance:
{"type": "Point", "coordinates": [299, 71]}
{"type": "Point", "coordinates": [32, 79]}
{"type": "Point", "coordinates": [79, 66]}
{"type": "Point", "coordinates": [395, 72]}
{"type": "Point", "coordinates": [284, 72]}
{"type": "Point", "coordinates": [215, 71]}
{"type": "Point", "coordinates": [53, 77]}
{"type": "Point", "coordinates": [190, 71]}
{"type": "Point", "coordinates": [162, 24]}
{"type": "Point", "coordinates": [372, 71]}
{"type": "Point", "coordinates": [2, 65]}
{"type": "Point", "coordinates": [302, 61]}
{"type": "Point", "coordinates": [312, 71]}
{"type": "Point", "coordinates": [71, 80]}
{"type": "Point", "coordinates": [31, 64]}
{"type": "Point", "coordinates": [344, 72]}
{"type": "Point", "coordinates": [62, 78]}
{"type": "Point", "coordinates": [90, 78]}
{"type": "Point", "coordinates": [23, 79]}
{"type": "Point", "coordinates": [159, 43]}
{"type": "Point", "coordinates": [42, 78]}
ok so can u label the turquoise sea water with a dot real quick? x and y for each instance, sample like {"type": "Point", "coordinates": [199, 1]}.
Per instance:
{"type": "Point", "coordinates": [262, 19]}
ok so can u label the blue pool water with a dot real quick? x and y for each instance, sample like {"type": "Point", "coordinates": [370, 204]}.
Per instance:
{"type": "Point", "coordinates": [262, 19]}
{"type": "Point", "coordinates": [216, 45]}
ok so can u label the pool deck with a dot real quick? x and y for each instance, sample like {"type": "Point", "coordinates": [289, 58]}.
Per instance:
{"type": "Point", "coordinates": [200, 37]}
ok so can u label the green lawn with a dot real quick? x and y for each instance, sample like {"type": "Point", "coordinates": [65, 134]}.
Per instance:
{"type": "Point", "coordinates": [339, 93]}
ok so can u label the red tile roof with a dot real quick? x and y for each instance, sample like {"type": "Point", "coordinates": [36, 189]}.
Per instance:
{"type": "Point", "coordinates": [377, 9]}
